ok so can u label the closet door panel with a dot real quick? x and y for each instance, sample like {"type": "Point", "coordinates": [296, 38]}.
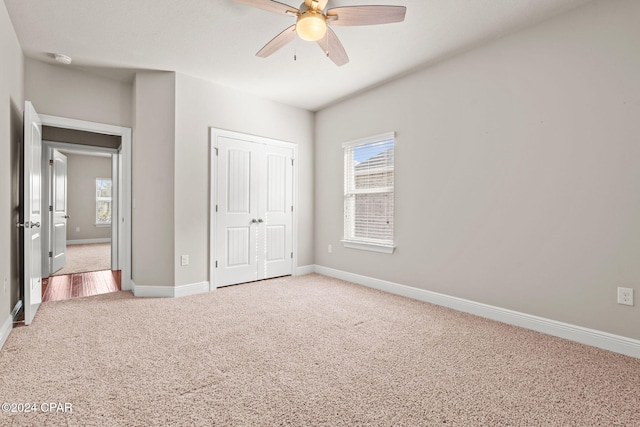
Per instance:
{"type": "Point", "coordinates": [276, 198]}
{"type": "Point", "coordinates": [236, 231]}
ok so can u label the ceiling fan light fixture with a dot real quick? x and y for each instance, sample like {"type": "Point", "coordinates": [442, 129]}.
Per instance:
{"type": "Point", "coordinates": [311, 26]}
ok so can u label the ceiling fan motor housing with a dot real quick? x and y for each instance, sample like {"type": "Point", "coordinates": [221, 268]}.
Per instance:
{"type": "Point", "coordinates": [311, 24]}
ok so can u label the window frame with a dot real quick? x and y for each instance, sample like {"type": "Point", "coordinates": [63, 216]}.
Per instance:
{"type": "Point", "coordinates": [103, 199]}
{"type": "Point", "coordinates": [350, 241]}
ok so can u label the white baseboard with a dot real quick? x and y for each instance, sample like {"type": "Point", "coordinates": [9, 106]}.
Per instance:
{"type": "Point", "coordinates": [305, 269]}
{"type": "Point", "coordinates": [191, 289]}
{"type": "Point", "coordinates": [5, 330]}
{"type": "Point", "coordinates": [88, 241]}
{"type": "Point", "coordinates": [604, 340]}
{"type": "Point", "coordinates": [169, 291]}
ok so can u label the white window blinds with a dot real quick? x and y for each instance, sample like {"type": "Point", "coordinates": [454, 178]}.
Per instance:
{"type": "Point", "coordinates": [369, 190]}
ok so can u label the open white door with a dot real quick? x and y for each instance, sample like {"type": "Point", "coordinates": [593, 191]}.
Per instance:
{"type": "Point", "coordinates": [32, 213]}
{"type": "Point", "coordinates": [59, 211]}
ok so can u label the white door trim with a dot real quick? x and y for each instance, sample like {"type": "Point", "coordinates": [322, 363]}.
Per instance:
{"type": "Point", "coordinates": [124, 196]}
{"type": "Point", "coordinates": [213, 198]}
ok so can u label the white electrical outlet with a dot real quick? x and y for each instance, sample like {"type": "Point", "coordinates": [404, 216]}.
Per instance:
{"type": "Point", "coordinates": [625, 296]}
{"type": "Point", "coordinates": [5, 285]}
{"type": "Point", "coordinates": [184, 260]}
{"type": "Point", "coordinates": [77, 229]}
{"type": "Point", "coordinates": [330, 249]}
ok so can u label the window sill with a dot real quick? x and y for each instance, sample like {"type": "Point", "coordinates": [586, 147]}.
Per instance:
{"type": "Point", "coordinates": [367, 246]}
{"type": "Point", "coordinates": [102, 225]}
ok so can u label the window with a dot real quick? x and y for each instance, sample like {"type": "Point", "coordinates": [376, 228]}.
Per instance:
{"type": "Point", "coordinates": [103, 201]}
{"type": "Point", "coordinates": [368, 193]}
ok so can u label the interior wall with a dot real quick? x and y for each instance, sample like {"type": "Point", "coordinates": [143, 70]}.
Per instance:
{"type": "Point", "coordinates": [66, 92]}
{"type": "Point", "coordinates": [153, 154]}
{"type": "Point", "coordinates": [11, 111]}
{"type": "Point", "coordinates": [82, 171]}
{"type": "Point", "coordinates": [517, 171]}
{"type": "Point", "coordinates": [201, 105]}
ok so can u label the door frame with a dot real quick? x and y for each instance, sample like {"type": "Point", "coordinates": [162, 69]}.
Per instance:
{"type": "Point", "coordinates": [213, 196]}
{"type": "Point", "coordinates": [122, 158]}
{"type": "Point", "coordinates": [47, 150]}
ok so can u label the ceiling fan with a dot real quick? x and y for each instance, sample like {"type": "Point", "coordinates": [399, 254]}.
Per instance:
{"type": "Point", "coordinates": [313, 22]}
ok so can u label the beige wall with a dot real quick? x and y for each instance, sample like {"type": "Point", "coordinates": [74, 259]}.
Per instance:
{"type": "Point", "coordinates": [517, 171]}
{"type": "Point", "coordinates": [82, 171]}
{"type": "Point", "coordinates": [153, 154]}
{"type": "Point", "coordinates": [201, 105]}
{"type": "Point", "coordinates": [63, 91]}
{"type": "Point", "coordinates": [11, 109]}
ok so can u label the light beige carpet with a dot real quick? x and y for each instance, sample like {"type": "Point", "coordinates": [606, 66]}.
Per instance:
{"type": "Point", "coordinates": [85, 258]}
{"type": "Point", "coordinates": [304, 351]}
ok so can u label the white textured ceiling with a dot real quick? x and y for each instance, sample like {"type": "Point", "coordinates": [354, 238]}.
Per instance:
{"type": "Point", "coordinates": [217, 40]}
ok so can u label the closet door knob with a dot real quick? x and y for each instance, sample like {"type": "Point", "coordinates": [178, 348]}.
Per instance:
{"type": "Point", "coordinates": [254, 221]}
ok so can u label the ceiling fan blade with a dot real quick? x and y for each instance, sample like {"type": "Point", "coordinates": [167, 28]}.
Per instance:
{"type": "Point", "coordinates": [270, 6]}
{"type": "Point", "coordinates": [365, 15]}
{"type": "Point", "coordinates": [277, 42]}
{"type": "Point", "coordinates": [332, 47]}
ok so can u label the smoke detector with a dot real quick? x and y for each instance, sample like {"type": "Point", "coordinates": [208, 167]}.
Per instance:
{"type": "Point", "coordinates": [63, 59]}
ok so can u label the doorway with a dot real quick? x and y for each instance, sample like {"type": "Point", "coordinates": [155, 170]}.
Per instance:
{"type": "Point", "coordinates": [80, 190]}
{"type": "Point", "coordinates": [31, 291]}
{"type": "Point", "coordinates": [80, 183]}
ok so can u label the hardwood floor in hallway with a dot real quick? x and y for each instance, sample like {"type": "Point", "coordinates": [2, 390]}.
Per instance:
{"type": "Point", "coordinates": [58, 288]}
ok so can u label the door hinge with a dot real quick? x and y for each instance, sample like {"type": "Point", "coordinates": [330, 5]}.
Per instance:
{"type": "Point", "coordinates": [291, 255]}
{"type": "Point", "coordinates": [50, 254]}
{"type": "Point", "coordinates": [292, 208]}
{"type": "Point", "coordinates": [50, 162]}
{"type": "Point", "coordinates": [50, 208]}
{"type": "Point", "coordinates": [216, 208]}
{"type": "Point", "coordinates": [216, 264]}
{"type": "Point", "coordinates": [291, 162]}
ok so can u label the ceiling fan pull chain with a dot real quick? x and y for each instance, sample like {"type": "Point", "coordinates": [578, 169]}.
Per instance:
{"type": "Point", "coordinates": [326, 38]}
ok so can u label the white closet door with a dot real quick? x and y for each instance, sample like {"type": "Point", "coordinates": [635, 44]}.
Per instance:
{"type": "Point", "coordinates": [276, 204]}
{"type": "Point", "coordinates": [254, 218]}
{"type": "Point", "coordinates": [236, 219]}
